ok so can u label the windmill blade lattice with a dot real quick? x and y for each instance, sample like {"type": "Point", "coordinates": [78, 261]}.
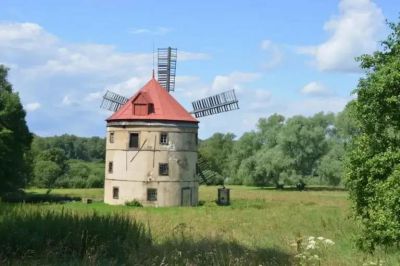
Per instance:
{"type": "Point", "coordinates": [112, 101]}
{"type": "Point", "coordinates": [223, 102]}
{"type": "Point", "coordinates": [167, 67]}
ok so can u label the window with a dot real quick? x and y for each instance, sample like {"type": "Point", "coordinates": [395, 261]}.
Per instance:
{"type": "Point", "coordinates": [196, 139]}
{"type": "Point", "coordinates": [134, 140]}
{"type": "Point", "coordinates": [164, 138]}
{"type": "Point", "coordinates": [163, 169]}
{"type": "Point", "coordinates": [115, 192]}
{"type": "Point", "coordinates": [110, 167]}
{"type": "Point", "coordinates": [111, 137]}
{"type": "Point", "coordinates": [151, 194]}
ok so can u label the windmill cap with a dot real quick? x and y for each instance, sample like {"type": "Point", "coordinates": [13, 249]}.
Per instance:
{"type": "Point", "coordinates": [152, 102]}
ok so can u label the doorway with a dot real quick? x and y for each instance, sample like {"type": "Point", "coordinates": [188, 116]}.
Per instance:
{"type": "Point", "coordinates": [186, 199]}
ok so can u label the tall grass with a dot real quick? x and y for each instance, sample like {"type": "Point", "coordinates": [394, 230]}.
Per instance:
{"type": "Point", "coordinates": [28, 233]}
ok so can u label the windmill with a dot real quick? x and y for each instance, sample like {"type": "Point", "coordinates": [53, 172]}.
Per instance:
{"type": "Point", "coordinates": [166, 72]}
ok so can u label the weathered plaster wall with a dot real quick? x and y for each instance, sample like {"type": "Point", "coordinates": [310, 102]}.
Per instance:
{"type": "Point", "coordinates": [137, 169]}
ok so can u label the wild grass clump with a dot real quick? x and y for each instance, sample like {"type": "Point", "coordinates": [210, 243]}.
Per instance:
{"type": "Point", "coordinates": [29, 233]}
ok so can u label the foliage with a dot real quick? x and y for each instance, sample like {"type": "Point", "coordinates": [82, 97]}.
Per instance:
{"type": "Point", "coordinates": [373, 169]}
{"type": "Point", "coordinates": [133, 203]}
{"type": "Point", "coordinates": [15, 138]}
{"type": "Point", "coordinates": [86, 149]}
{"type": "Point", "coordinates": [281, 151]}
{"type": "Point", "coordinates": [80, 160]}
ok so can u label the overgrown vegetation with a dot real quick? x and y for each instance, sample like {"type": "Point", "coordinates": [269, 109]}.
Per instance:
{"type": "Point", "coordinates": [258, 228]}
{"type": "Point", "coordinates": [68, 161]}
{"type": "Point", "coordinates": [374, 161]}
{"type": "Point", "coordinates": [29, 233]}
{"type": "Point", "coordinates": [15, 138]}
{"type": "Point", "coordinates": [281, 151]}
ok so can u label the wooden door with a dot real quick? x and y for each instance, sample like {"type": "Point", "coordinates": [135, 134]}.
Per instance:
{"type": "Point", "coordinates": [186, 199]}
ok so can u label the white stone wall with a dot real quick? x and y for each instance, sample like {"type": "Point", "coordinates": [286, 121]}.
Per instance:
{"type": "Point", "coordinates": [136, 170]}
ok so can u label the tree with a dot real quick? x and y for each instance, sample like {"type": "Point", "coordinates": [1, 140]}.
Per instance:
{"type": "Point", "coordinates": [49, 166]}
{"type": "Point", "coordinates": [373, 169]}
{"type": "Point", "coordinates": [303, 140]}
{"type": "Point", "coordinates": [46, 174]}
{"type": "Point", "coordinates": [15, 138]}
{"type": "Point", "coordinates": [215, 151]}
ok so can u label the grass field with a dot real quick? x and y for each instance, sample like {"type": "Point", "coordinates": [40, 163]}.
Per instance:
{"type": "Point", "coordinates": [259, 227]}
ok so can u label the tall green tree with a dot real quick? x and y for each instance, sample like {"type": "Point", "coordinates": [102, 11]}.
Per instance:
{"type": "Point", "coordinates": [15, 138]}
{"type": "Point", "coordinates": [303, 140]}
{"type": "Point", "coordinates": [373, 172]}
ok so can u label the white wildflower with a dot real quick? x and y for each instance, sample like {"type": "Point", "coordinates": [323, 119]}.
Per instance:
{"type": "Point", "coordinates": [320, 238]}
{"type": "Point", "coordinates": [311, 238]}
{"type": "Point", "coordinates": [329, 242]}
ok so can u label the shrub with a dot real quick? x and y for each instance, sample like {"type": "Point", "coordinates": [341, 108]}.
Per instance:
{"type": "Point", "coordinates": [133, 203]}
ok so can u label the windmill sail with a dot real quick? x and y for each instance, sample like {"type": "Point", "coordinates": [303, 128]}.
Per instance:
{"type": "Point", "coordinates": [112, 101]}
{"type": "Point", "coordinates": [167, 67]}
{"type": "Point", "coordinates": [223, 102]}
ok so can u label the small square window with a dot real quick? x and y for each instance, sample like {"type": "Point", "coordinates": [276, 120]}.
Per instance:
{"type": "Point", "coordinates": [115, 192]}
{"type": "Point", "coordinates": [152, 194]}
{"type": "Point", "coordinates": [111, 137]}
{"type": "Point", "coordinates": [134, 140]}
{"type": "Point", "coordinates": [110, 167]}
{"type": "Point", "coordinates": [163, 169]}
{"type": "Point", "coordinates": [164, 138]}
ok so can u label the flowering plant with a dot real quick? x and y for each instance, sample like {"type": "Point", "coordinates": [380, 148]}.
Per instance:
{"type": "Point", "coordinates": [310, 250]}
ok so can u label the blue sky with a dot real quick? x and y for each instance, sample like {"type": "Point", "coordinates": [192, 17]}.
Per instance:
{"type": "Point", "coordinates": [289, 57]}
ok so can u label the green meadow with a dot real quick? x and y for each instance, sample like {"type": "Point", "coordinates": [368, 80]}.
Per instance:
{"type": "Point", "coordinates": [260, 227]}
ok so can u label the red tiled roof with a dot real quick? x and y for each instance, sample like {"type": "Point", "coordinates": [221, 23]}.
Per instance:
{"type": "Point", "coordinates": [164, 107]}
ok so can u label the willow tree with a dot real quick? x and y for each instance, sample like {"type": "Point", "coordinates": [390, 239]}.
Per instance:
{"type": "Point", "coordinates": [373, 170]}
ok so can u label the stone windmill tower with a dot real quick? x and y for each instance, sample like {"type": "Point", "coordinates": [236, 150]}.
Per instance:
{"type": "Point", "coordinates": [151, 150]}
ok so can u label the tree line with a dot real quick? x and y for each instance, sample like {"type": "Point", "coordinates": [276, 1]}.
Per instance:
{"type": "Point", "coordinates": [281, 151]}
{"type": "Point", "coordinates": [67, 161]}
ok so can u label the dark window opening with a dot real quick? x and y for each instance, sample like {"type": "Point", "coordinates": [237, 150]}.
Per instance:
{"type": "Point", "coordinates": [115, 192]}
{"type": "Point", "coordinates": [134, 140]}
{"type": "Point", "coordinates": [151, 194]}
{"type": "Point", "coordinates": [164, 138]}
{"type": "Point", "coordinates": [151, 108]}
{"type": "Point", "coordinates": [163, 169]}
{"type": "Point", "coordinates": [110, 167]}
{"type": "Point", "coordinates": [111, 137]}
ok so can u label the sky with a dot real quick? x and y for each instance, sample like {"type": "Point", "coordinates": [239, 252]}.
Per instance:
{"type": "Point", "coordinates": [286, 57]}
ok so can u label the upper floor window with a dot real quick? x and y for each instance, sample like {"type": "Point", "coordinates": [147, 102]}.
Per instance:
{"type": "Point", "coordinates": [111, 138]}
{"type": "Point", "coordinates": [133, 140]}
{"type": "Point", "coordinates": [164, 138]}
{"type": "Point", "coordinates": [163, 169]}
{"type": "Point", "coordinates": [110, 167]}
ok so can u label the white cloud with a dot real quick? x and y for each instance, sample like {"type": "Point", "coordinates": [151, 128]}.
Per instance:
{"type": "Point", "coordinates": [274, 54]}
{"type": "Point", "coordinates": [233, 80]}
{"type": "Point", "coordinates": [155, 31]}
{"type": "Point", "coordinates": [315, 88]}
{"type": "Point", "coordinates": [355, 31]}
{"type": "Point", "coordinates": [30, 107]}
{"type": "Point", "coordinates": [70, 78]}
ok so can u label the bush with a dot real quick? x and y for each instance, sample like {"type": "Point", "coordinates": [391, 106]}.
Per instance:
{"type": "Point", "coordinates": [133, 203]}
{"type": "Point", "coordinates": [95, 181]}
